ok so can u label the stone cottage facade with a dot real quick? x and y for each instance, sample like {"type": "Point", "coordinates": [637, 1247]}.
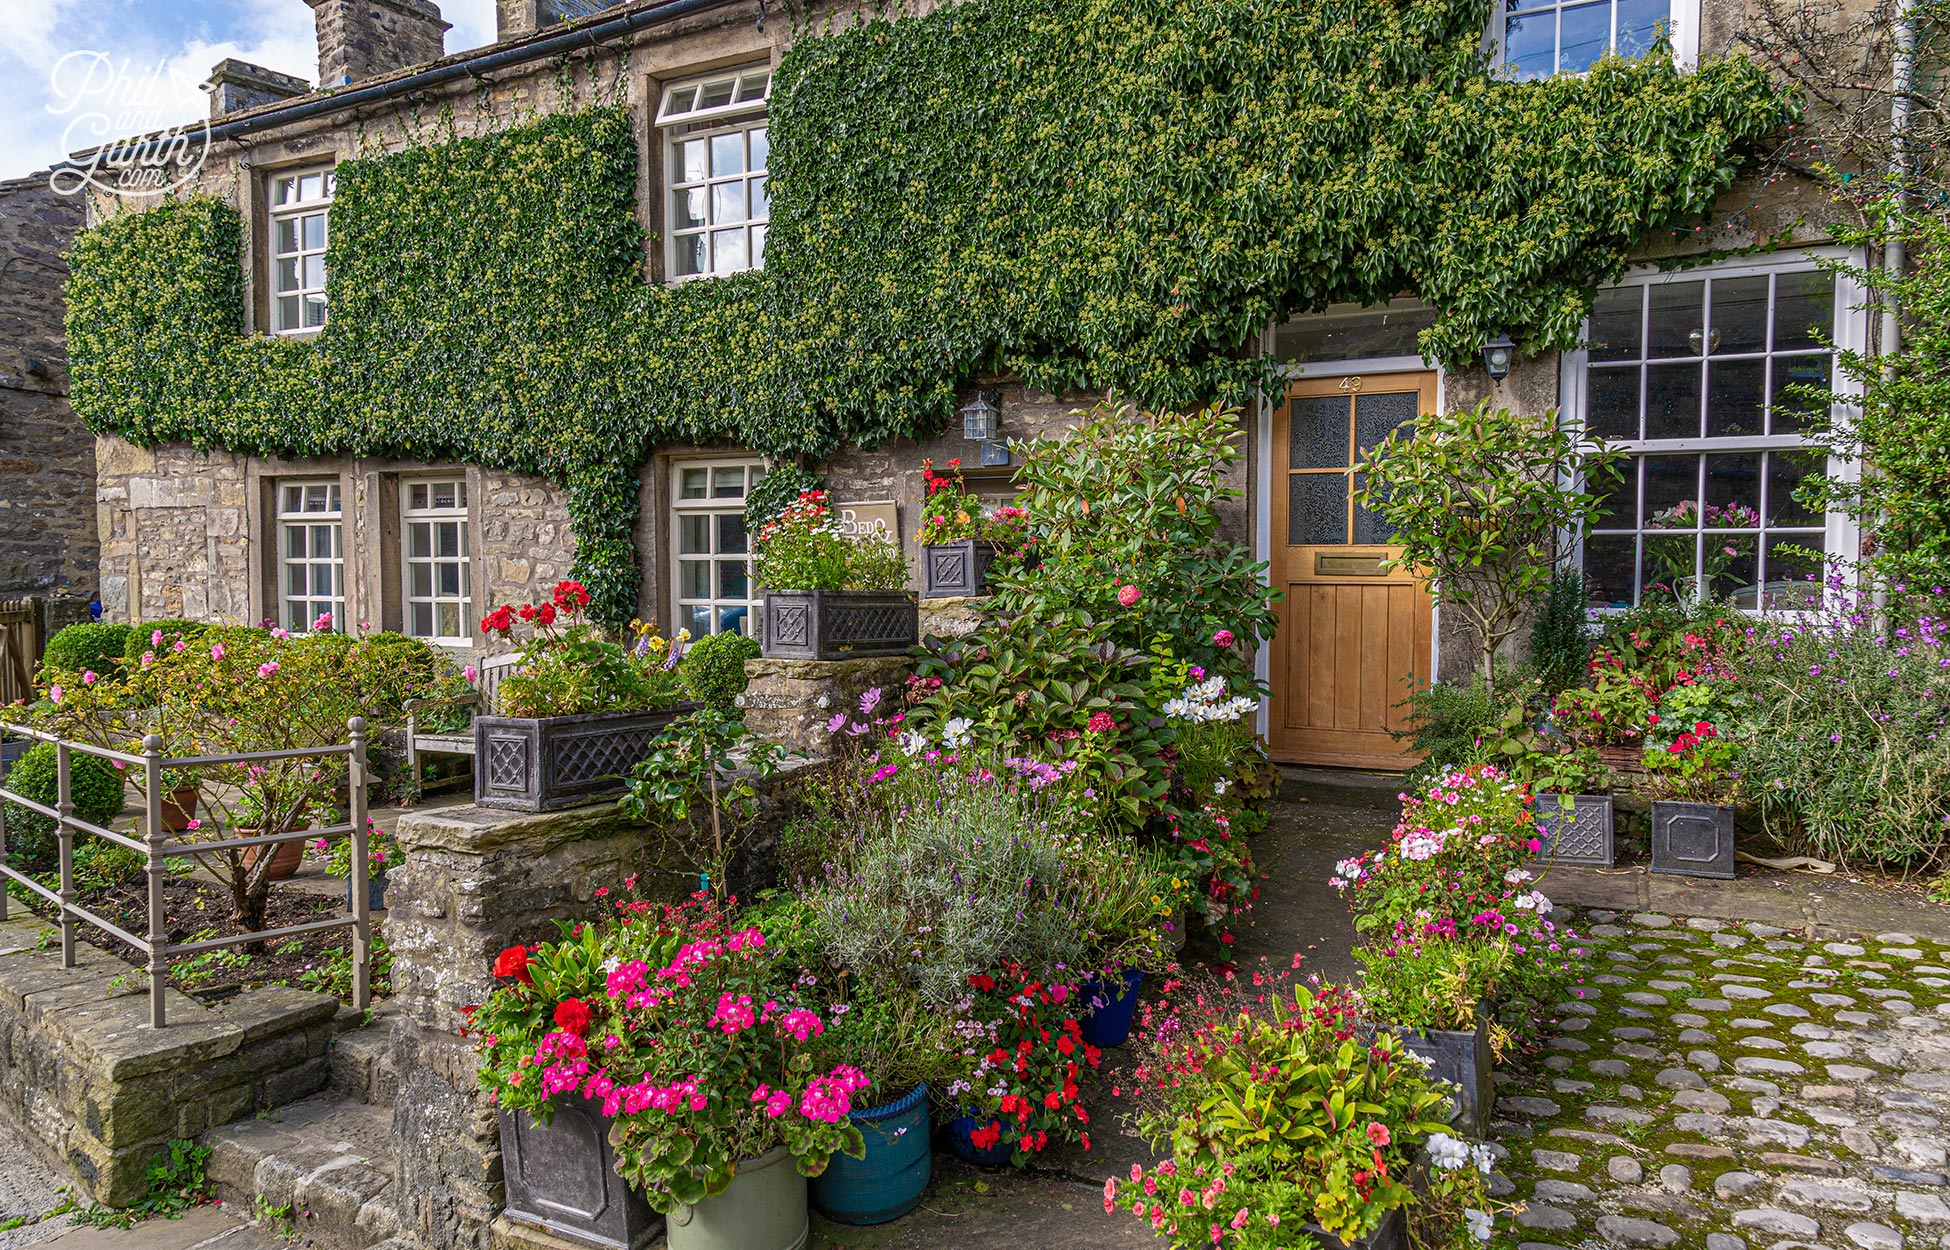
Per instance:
{"type": "Point", "coordinates": [48, 545]}
{"type": "Point", "coordinates": [1686, 370]}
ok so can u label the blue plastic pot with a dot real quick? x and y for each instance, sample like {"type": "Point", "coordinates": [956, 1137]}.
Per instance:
{"type": "Point", "coordinates": [960, 1140]}
{"type": "Point", "coordinates": [1108, 1019]}
{"type": "Point", "coordinates": [888, 1181]}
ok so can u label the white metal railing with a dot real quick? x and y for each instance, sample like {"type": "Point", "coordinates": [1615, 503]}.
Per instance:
{"type": "Point", "coordinates": [157, 847]}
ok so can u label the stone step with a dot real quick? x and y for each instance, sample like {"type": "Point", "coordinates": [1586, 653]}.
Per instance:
{"type": "Point", "coordinates": [321, 1169]}
{"type": "Point", "coordinates": [362, 1058]}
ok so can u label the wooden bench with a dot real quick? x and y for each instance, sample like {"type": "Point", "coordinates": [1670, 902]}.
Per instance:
{"type": "Point", "coordinates": [483, 698]}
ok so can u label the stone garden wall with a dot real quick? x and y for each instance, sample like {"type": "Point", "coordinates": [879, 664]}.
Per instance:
{"type": "Point", "coordinates": [102, 1094]}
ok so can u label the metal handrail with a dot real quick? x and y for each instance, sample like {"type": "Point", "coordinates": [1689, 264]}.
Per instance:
{"type": "Point", "coordinates": [157, 848]}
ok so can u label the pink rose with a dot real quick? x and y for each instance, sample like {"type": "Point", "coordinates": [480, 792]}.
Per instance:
{"type": "Point", "coordinates": [1129, 596]}
{"type": "Point", "coordinates": [88, 678]}
{"type": "Point", "coordinates": [216, 652]}
{"type": "Point", "coordinates": [1223, 638]}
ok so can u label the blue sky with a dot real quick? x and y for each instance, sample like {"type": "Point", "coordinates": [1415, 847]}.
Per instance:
{"type": "Point", "coordinates": [163, 48]}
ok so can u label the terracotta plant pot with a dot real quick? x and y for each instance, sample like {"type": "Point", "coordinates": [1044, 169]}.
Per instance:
{"type": "Point", "coordinates": [179, 809]}
{"type": "Point", "coordinates": [286, 857]}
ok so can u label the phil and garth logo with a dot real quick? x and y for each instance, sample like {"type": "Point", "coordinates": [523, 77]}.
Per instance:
{"type": "Point", "coordinates": [125, 121]}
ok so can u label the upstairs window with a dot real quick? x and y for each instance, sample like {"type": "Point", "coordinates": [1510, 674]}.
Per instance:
{"type": "Point", "coordinates": [311, 556]}
{"type": "Point", "coordinates": [715, 139]}
{"type": "Point", "coordinates": [1544, 37]}
{"type": "Point", "coordinates": [300, 204]}
{"type": "Point", "coordinates": [439, 591]}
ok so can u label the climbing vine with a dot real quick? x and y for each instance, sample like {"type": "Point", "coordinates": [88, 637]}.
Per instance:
{"type": "Point", "coordinates": [1091, 193]}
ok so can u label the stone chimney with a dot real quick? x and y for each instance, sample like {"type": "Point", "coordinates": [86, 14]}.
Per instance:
{"type": "Point", "coordinates": [514, 18]}
{"type": "Point", "coordinates": [361, 39]}
{"type": "Point", "coordinates": [236, 85]}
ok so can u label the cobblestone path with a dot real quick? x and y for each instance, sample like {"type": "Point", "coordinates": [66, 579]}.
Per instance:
{"type": "Point", "coordinates": [1722, 1086]}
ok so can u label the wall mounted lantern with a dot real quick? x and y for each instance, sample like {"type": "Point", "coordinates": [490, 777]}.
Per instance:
{"type": "Point", "coordinates": [981, 417]}
{"type": "Point", "coordinates": [1497, 355]}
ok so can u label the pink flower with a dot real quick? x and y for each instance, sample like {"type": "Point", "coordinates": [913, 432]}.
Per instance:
{"type": "Point", "coordinates": [88, 677]}
{"type": "Point", "coordinates": [471, 673]}
{"type": "Point", "coordinates": [216, 652]}
{"type": "Point", "coordinates": [1223, 638]}
{"type": "Point", "coordinates": [54, 693]}
{"type": "Point", "coordinates": [195, 825]}
{"type": "Point", "coordinates": [1110, 1192]}
{"type": "Point", "coordinates": [180, 647]}
{"type": "Point", "coordinates": [1102, 723]}
{"type": "Point", "coordinates": [323, 623]}
{"type": "Point", "coordinates": [155, 639]}
{"type": "Point", "coordinates": [1129, 596]}
{"type": "Point", "coordinates": [267, 668]}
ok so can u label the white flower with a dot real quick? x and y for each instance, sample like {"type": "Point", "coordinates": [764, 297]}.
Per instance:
{"type": "Point", "coordinates": [1516, 876]}
{"type": "Point", "coordinates": [954, 735]}
{"type": "Point", "coordinates": [1479, 1223]}
{"type": "Point", "coordinates": [913, 742]}
{"type": "Point", "coordinates": [1485, 1157]}
{"type": "Point", "coordinates": [1524, 902]}
{"type": "Point", "coordinates": [1348, 868]}
{"type": "Point", "coordinates": [1447, 1152]}
{"type": "Point", "coordinates": [1542, 904]}
{"type": "Point", "coordinates": [1221, 786]}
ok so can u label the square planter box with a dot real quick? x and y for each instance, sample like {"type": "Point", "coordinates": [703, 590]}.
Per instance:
{"type": "Point", "coordinates": [1465, 1061]}
{"type": "Point", "coordinates": [1390, 1234]}
{"type": "Point", "coordinates": [561, 1177]}
{"type": "Point", "coordinates": [953, 570]}
{"type": "Point", "coordinates": [1581, 836]}
{"type": "Point", "coordinates": [839, 624]}
{"type": "Point", "coordinates": [1692, 839]}
{"type": "Point", "coordinates": [541, 764]}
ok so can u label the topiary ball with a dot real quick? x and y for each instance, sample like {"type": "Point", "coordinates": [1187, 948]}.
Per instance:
{"type": "Point", "coordinates": [96, 789]}
{"type": "Point", "coordinates": [713, 668]}
{"type": "Point", "coordinates": [89, 647]}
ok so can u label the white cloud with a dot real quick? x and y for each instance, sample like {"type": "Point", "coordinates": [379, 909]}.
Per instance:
{"type": "Point", "coordinates": [166, 45]}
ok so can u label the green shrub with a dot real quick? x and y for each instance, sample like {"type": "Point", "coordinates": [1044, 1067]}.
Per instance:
{"type": "Point", "coordinates": [142, 636]}
{"type": "Point", "coordinates": [97, 791]}
{"type": "Point", "coordinates": [1560, 649]}
{"type": "Point", "coordinates": [387, 669]}
{"type": "Point", "coordinates": [92, 646]}
{"type": "Point", "coordinates": [713, 671]}
{"type": "Point", "coordinates": [1450, 724]}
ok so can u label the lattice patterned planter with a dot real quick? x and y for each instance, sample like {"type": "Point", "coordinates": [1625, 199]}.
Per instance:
{"type": "Point", "coordinates": [956, 570]}
{"type": "Point", "coordinates": [542, 764]}
{"type": "Point", "coordinates": [561, 1177]}
{"type": "Point", "coordinates": [1579, 837]}
{"type": "Point", "coordinates": [1692, 839]}
{"type": "Point", "coordinates": [1465, 1061]}
{"type": "Point", "coordinates": [839, 624]}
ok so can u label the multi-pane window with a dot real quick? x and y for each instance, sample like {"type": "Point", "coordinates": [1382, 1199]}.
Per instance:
{"type": "Point", "coordinates": [439, 598]}
{"type": "Point", "coordinates": [1545, 37]}
{"type": "Point", "coordinates": [1699, 379]}
{"type": "Point", "coordinates": [300, 205]}
{"type": "Point", "coordinates": [311, 556]}
{"type": "Point", "coordinates": [715, 137]}
{"type": "Point", "coordinates": [715, 591]}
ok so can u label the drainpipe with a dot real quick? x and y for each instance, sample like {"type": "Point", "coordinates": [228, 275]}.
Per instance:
{"type": "Point", "coordinates": [1902, 75]}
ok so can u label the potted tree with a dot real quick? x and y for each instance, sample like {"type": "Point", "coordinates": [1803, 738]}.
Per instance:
{"type": "Point", "coordinates": [827, 596]}
{"type": "Point", "coordinates": [579, 710]}
{"type": "Point", "coordinates": [1693, 787]}
{"type": "Point", "coordinates": [959, 539]}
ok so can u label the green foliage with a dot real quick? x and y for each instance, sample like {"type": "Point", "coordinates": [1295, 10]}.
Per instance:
{"type": "Point", "coordinates": [332, 972]}
{"type": "Point", "coordinates": [96, 791]}
{"type": "Point", "coordinates": [1479, 498]}
{"type": "Point", "coordinates": [91, 646]}
{"type": "Point", "coordinates": [1451, 724]}
{"type": "Point", "coordinates": [775, 492]}
{"type": "Point", "coordinates": [700, 779]}
{"type": "Point", "coordinates": [1560, 648]}
{"type": "Point", "coordinates": [1896, 423]}
{"type": "Point", "coordinates": [1221, 166]}
{"type": "Point", "coordinates": [386, 669]}
{"type": "Point", "coordinates": [713, 668]}
{"type": "Point", "coordinates": [142, 638]}
{"type": "Point", "coordinates": [570, 666]}
{"type": "Point", "coordinates": [803, 548]}
{"type": "Point", "coordinates": [177, 1182]}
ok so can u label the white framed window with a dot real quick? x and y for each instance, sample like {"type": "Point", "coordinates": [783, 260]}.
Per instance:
{"type": "Point", "coordinates": [311, 555]}
{"type": "Point", "coordinates": [301, 203]}
{"type": "Point", "coordinates": [439, 581]}
{"type": "Point", "coordinates": [1538, 38]}
{"type": "Point", "coordinates": [711, 554]}
{"type": "Point", "coordinates": [1693, 375]}
{"type": "Point", "coordinates": [714, 137]}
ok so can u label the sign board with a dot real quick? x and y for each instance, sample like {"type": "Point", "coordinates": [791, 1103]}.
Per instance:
{"type": "Point", "coordinates": [859, 520]}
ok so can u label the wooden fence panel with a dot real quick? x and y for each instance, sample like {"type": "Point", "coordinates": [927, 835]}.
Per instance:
{"type": "Point", "coordinates": [20, 648]}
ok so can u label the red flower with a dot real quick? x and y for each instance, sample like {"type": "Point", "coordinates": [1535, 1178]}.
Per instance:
{"type": "Point", "coordinates": [571, 596]}
{"type": "Point", "coordinates": [545, 614]}
{"type": "Point", "coordinates": [1223, 638]}
{"type": "Point", "coordinates": [513, 962]}
{"type": "Point", "coordinates": [1377, 1132]}
{"type": "Point", "coordinates": [572, 1015]}
{"type": "Point", "coordinates": [1102, 723]}
{"type": "Point", "coordinates": [499, 621]}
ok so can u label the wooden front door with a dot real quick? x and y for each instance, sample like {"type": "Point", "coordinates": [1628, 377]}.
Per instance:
{"type": "Point", "coordinates": [1352, 636]}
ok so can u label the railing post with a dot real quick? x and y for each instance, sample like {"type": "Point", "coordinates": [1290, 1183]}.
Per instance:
{"type": "Point", "coordinates": [152, 833]}
{"type": "Point", "coordinates": [64, 835]}
{"type": "Point", "coordinates": [356, 881]}
{"type": "Point", "coordinates": [4, 885]}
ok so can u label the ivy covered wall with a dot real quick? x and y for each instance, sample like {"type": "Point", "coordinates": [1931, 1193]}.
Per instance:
{"type": "Point", "coordinates": [1090, 193]}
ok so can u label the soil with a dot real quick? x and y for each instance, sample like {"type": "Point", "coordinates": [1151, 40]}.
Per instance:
{"type": "Point", "coordinates": [197, 910]}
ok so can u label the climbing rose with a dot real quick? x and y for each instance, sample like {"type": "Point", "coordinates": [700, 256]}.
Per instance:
{"type": "Point", "coordinates": [1222, 639]}
{"type": "Point", "coordinates": [513, 962]}
{"type": "Point", "coordinates": [1129, 595]}
{"type": "Point", "coordinates": [571, 1014]}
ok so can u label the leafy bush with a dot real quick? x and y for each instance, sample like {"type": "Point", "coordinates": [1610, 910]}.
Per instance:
{"type": "Point", "coordinates": [1560, 646]}
{"type": "Point", "coordinates": [95, 788]}
{"type": "Point", "coordinates": [1453, 724]}
{"type": "Point", "coordinates": [713, 668]}
{"type": "Point", "coordinates": [157, 636]}
{"type": "Point", "coordinates": [90, 646]}
{"type": "Point", "coordinates": [1028, 1054]}
{"type": "Point", "coordinates": [386, 669]}
{"type": "Point", "coordinates": [803, 549]}
{"type": "Point", "coordinates": [1845, 750]}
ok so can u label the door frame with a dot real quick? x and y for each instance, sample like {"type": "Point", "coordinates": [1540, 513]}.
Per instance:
{"type": "Point", "coordinates": [1263, 484]}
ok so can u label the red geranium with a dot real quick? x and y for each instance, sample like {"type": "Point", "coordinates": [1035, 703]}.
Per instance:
{"type": "Point", "coordinates": [513, 962]}
{"type": "Point", "coordinates": [572, 1016]}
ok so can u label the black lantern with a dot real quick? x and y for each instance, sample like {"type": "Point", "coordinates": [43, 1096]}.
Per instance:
{"type": "Point", "coordinates": [1497, 355]}
{"type": "Point", "coordinates": [981, 417]}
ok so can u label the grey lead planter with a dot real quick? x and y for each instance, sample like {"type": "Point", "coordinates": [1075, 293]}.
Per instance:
{"type": "Point", "coordinates": [1692, 839]}
{"type": "Point", "coordinates": [561, 1176]}
{"type": "Point", "coordinates": [953, 570]}
{"type": "Point", "coordinates": [839, 624]}
{"type": "Point", "coordinates": [1463, 1060]}
{"type": "Point", "coordinates": [542, 764]}
{"type": "Point", "coordinates": [1579, 837]}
